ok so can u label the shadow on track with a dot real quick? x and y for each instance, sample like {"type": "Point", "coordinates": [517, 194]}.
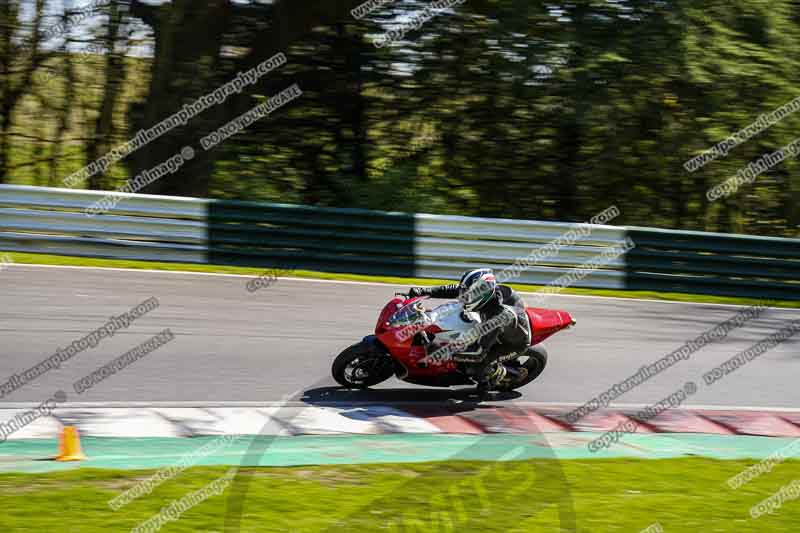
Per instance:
{"type": "Point", "coordinates": [410, 395]}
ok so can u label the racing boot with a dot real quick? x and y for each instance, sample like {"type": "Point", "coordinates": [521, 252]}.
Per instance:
{"type": "Point", "coordinates": [491, 378]}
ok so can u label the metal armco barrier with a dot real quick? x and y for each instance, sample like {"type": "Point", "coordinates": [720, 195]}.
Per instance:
{"type": "Point", "coordinates": [162, 228]}
{"type": "Point", "coordinates": [714, 263]}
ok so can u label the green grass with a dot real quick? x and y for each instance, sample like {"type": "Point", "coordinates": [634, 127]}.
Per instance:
{"type": "Point", "coordinates": [682, 495]}
{"type": "Point", "coordinates": [43, 259]}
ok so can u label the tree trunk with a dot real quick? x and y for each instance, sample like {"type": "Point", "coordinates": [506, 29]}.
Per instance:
{"type": "Point", "coordinates": [354, 97]}
{"type": "Point", "coordinates": [12, 93]}
{"type": "Point", "coordinates": [189, 36]}
{"type": "Point", "coordinates": [115, 43]}
{"type": "Point", "coordinates": [569, 131]}
{"type": "Point", "coordinates": [64, 111]}
{"type": "Point", "coordinates": [5, 127]}
{"type": "Point", "coordinates": [8, 21]}
{"type": "Point", "coordinates": [188, 45]}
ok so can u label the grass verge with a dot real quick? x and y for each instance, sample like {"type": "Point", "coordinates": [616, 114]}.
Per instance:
{"type": "Point", "coordinates": [682, 495]}
{"type": "Point", "coordinates": [44, 259]}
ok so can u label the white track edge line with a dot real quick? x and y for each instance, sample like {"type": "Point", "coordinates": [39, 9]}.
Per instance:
{"type": "Point", "coordinates": [377, 283]}
{"type": "Point", "coordinates": [207, 404]}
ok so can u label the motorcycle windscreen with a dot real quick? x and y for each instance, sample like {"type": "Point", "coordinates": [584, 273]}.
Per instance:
{"type": "Point", "coordinates": [399, 313]}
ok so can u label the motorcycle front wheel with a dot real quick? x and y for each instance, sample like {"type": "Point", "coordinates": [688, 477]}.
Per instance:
{"type": "Point", "coordinates": [362, 365]}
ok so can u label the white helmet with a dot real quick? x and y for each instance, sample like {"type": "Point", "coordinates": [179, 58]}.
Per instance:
{"type": "Point", "coordinates": [477, 288]}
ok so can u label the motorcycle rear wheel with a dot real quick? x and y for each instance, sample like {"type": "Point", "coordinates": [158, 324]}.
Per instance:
{"type": "Point", "coordinates": [362, 365]}
{"type": "Point", "coordinates": [524, 369]}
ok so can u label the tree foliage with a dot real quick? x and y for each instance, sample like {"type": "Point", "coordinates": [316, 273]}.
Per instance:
{"type": "Point", "coordinates": [494, 108]}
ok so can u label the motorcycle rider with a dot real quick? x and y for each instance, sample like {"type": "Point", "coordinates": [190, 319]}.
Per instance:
{"type": "Point", "coordinates": [479, 291]}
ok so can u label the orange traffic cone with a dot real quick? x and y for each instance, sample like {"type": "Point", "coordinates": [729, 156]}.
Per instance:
{"type": "Point", "coordinates": [69, 445]}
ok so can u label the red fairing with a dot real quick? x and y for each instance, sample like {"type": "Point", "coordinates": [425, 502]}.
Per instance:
{"type": "Point", "coordinates": [413, 359]}
{"type": "Point", "coordinates": [398, 342]}
{"type": "Point", "coordinates": [388, 310]}
{"type": "Point", "coordinates": [546, 322]}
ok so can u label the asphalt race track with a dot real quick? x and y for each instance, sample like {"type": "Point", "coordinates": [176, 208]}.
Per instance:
{"type": "Point", "coordinates": [234, 345]}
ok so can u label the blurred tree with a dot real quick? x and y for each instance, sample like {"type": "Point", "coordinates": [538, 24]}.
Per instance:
{"type": "Point", "coordinates": [188, 62]}
{"type": "Point", "coordinates": [20, 55]}
{"type": "Point", "coordinates": [63, 106]}
{"type": "Point", "coordinates": [506, 109]}
{"type": "Point", "coordinates": [115, 43]}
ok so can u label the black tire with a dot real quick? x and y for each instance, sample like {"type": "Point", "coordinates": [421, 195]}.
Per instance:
{"type": "Point", "coordinates": [375, 364]}
{"type": "Point", "coordinates": [532, 362]}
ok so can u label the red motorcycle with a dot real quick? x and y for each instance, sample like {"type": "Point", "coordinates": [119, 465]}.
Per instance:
{"type": "Point", "coordinates": [411, 342]}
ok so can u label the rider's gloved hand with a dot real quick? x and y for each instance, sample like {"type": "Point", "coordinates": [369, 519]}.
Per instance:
{"type": "Point", "coordinates": [415, 292]}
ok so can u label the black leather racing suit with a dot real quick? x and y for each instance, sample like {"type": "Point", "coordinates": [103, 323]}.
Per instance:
{"type": "Point", "coordinates": [499, 342]}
